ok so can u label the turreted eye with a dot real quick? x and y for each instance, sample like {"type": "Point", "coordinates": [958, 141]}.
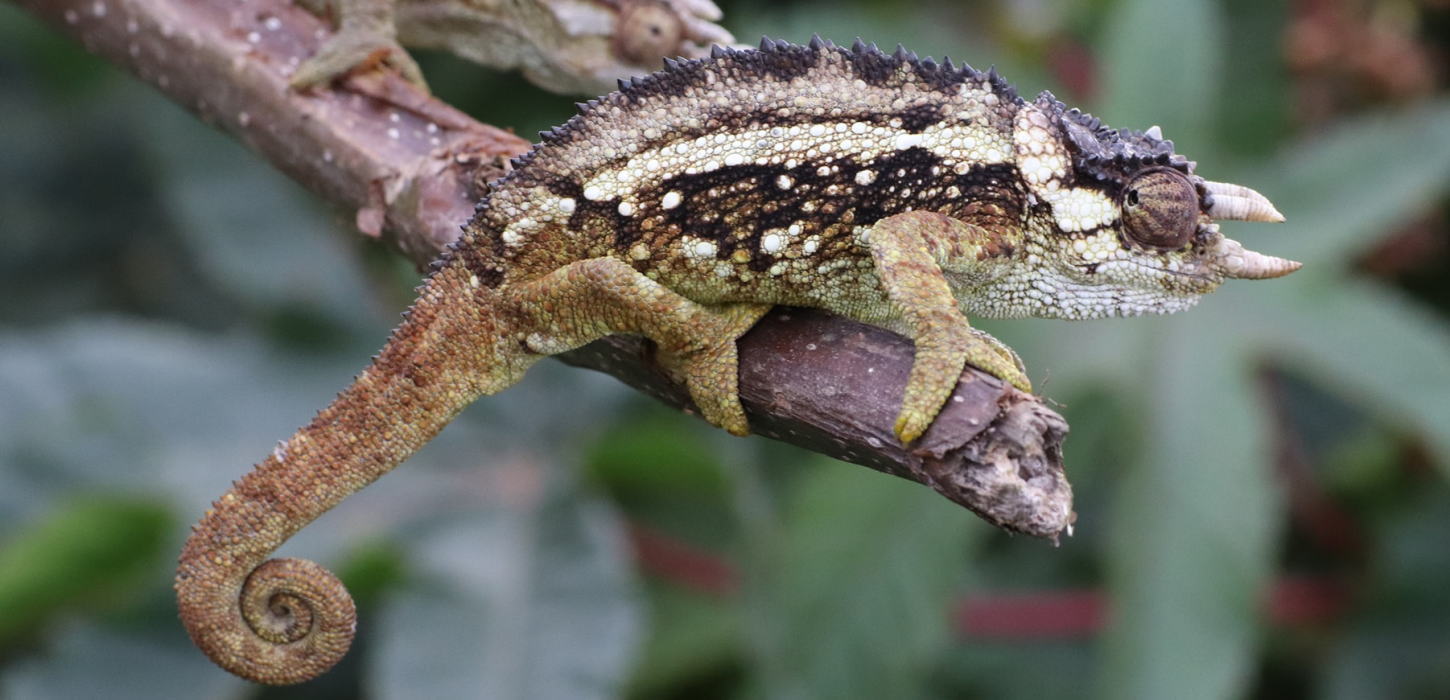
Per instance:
{"type": "Point", "coordinates": [647, 32]}
{"type": "Point", "coordinates": [1160, 209]}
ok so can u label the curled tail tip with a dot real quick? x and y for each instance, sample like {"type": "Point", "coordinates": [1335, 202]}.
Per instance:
{"type": "Point", "coordinates": [289, 622]}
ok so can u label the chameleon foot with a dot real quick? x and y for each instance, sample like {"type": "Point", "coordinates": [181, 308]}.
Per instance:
{"type": "Point", "coordinates": [940, 358]}
{"type": "Point", "coordinates": [712, 372]}
{"type": "Point", "coordinates": [1007, 365]}
{"type": "Point", "coordinates": [351, 50]}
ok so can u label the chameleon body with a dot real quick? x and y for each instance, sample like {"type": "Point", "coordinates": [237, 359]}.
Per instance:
{"type": "Point", "coordinates": [892, 190]}
{"type": "Point", "coordinates": [567, 46]}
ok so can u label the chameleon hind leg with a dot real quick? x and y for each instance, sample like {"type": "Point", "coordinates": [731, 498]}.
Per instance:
{"type": "Point", "coordinates": [365, 36]}
{"type": "Point", "coordinates": [590, 299]}
{"type": "Point", "coordinates": [904, 248]}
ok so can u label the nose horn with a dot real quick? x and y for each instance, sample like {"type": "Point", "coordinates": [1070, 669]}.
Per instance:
{"type": "Point", "coordinates": [1237, 262]}
{"type": "Point", "coordinates": [1238, 203]}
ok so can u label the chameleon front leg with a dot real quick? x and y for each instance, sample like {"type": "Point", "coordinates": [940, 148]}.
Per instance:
{"type": "Point", "coordinates": [366, 34]}
{"type": "Point", "coordinates": [590, 299]}
{"type": "Point", "coordinates": [905, 249]}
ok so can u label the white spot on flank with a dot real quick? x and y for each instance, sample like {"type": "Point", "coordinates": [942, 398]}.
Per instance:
{"type": "Point", "coordinates": [594, 193]}
{"type": "Point", "coordinates": [784, 182]}
{"type": "Point", "coordinates": [697, 247]}
{"type": "Point", "coordinates": [772, 243]}
{"type": "Point", "coordinates": [734, 159]}
{"type": "Point", "coordinates": [566, 205]}
{"type": "Point", "coordinates": [511, 237]}
{"type": "Point", "coordinates": [473, 280]}
{"type": "Point", "coordinates": [818, 130]}
{"type": "Point", "coordinates": [626, 209]}
{"type": "Point", "coordinates": [858, 127]}
{"type": "Point", "coordinates": [865, 177]}
{"type": "Point", "coordinates": [905, 141]}
{"type": "Point", "coordinates": [670, 200]}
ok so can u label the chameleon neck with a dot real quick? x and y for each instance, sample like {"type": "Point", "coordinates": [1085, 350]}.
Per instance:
{"type": "Point", "coordinates": [286, 620]}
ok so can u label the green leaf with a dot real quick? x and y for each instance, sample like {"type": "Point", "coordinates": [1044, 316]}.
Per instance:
{"type": "Point", "coordinates": [692, 640]}
{"type": "Point", "coordinates": [529, 597]}
{"type": "Point", "coordinates": [1345, 189]}
{"type": "Point", "coordinates": [75, 554]}
{"type": "Point", "coordinates": [1193, 527]}
{"type": "Point", "coordinates": [1161, 63]}
{"type": "Point", "coordinates": [854, 600]}
{"type": "Point", "coordinates": [1397, 646]}
{"type": "Point", "coordinates": [253, 231]}
{"type": "Point", "coordinates": [89, 661]}
{"type": "Point", "coordinates": [1376, 345]}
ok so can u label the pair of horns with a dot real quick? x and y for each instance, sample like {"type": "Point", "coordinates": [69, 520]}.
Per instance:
{"type": "Point", "coordinates": [1238, 203]}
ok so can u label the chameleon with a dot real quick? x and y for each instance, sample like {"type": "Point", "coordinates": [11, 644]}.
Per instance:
{"type": "Point", "coordinates": [566, 46]}
{"type": "Point", "coordinates": [886, 188]}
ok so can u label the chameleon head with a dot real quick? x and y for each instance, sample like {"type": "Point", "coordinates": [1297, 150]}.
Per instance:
{"type": "Point", "coordinates": [1118, 224]}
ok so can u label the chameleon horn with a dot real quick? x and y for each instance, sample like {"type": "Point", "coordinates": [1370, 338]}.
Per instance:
{"type": "Point", "coordinates": [1239, 203]}
{"type": "Point", "coordinates": [1237, 262]}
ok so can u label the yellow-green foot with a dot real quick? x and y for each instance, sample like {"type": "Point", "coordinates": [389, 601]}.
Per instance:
{"type": "Point", "coordinates": [940, 359]}
{"type": "Point", "coordinates": [348, 51]}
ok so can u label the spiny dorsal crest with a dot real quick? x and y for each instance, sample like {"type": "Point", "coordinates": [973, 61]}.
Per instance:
{"type": "Point", "coordinates": [773, 63]}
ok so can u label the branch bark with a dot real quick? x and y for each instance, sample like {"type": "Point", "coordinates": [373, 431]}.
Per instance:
{"type": "Point", "coordinates": [411, 167]}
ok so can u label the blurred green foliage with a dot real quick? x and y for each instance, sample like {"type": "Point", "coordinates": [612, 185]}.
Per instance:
{"type": "Point", "coordinates": [169, 307]}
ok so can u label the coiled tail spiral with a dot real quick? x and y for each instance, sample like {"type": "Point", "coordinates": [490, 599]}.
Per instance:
{"type": "Point", "coordinates": [283, 621]}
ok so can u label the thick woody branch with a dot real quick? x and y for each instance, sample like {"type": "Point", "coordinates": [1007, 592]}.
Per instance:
{"type": "Point", "coordinates": [411, 168]}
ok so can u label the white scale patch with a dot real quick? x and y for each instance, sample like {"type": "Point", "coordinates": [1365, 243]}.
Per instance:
{"type": "Point", "coordinates": [1080, 209]}
{"type": "Point", "coordinates": [1046, 166]}
{"type": "Point", "coordinates": [960, 145]}
{"type": "Point", "coordinates": [1041, 157]}
{"type": "Point", "coordinates": [697, 248]}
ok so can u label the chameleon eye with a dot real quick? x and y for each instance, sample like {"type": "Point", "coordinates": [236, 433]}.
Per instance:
{"type": "Point", "coordinates": [1160, 209]}
{"type": "Point", "coordinates": [647, 32]}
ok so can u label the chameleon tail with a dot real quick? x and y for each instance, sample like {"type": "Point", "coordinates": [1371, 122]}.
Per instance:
{"type": "Point", "coordinates": [284, 621]}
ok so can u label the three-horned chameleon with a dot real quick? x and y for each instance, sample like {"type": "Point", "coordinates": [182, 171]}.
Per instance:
{"type": "Point", "coordinates": [892, 190]}
{"type": "Point", "coordinates": [567, 46]}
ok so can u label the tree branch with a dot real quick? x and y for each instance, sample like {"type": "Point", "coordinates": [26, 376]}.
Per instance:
{"type": "Point", "coordinates": [411, 167]}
